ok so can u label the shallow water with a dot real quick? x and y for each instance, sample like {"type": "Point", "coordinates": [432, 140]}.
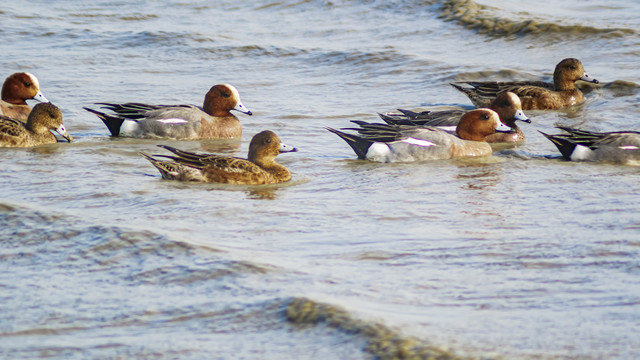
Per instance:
{"type": "Point", "coordinates": [521, 255]}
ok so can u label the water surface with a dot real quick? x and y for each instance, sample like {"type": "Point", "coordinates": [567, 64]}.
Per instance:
{"type": "Point", "coordinates": [521, 255]}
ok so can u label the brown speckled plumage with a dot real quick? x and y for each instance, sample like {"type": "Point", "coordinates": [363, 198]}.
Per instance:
{"type": "Point", "coordinates": [43, 119]}
{"type": "Point", "coordinates": [259, 168]}
{"type": "Point", "coordinates": [534, 95]}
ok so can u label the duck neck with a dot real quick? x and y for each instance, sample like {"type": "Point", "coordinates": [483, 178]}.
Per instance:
{"type": "Point", "coordinates": [467, 135]}
{"type": "Point", "coordinates": [11, 99]}
{"type": "Point", "coordinates": [270, 165]}
{"type": "Point", "coordinates": [262, 161]}
{"type": "Point", "coordinates": [562, 84]}
{"type": "Point", "coordinates": [34, 127]}
{"type": "Point", "coordinates": [211, 109]}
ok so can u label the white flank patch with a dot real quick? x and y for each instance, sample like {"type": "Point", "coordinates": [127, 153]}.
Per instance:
{"type": "Point", "coordinates": [581, 153]}
{"type": "Point", "coordinates": [628, 147]}
{"type": "Point", "coordinates": [447, 128]}
{"type": "Point", "coordinates": [172, 121]}
{"type": "Point", "coordinates": [378, 151]}
{"type": "Point", "coordinates": [128, 127]}
{"type": "Point", "coordinates": [418, 142]}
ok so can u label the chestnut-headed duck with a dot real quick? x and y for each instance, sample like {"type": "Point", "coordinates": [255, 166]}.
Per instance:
{"type": "Point", "coordinates": [259, 168]}
{"type": "Point", "coordinates": [211, 121]}
{"type": "Point", "coordinates": [621, 147]}
{"type": "Point", "coordinates": [507, 105]}
{"type": "Point", "coordinates": [16, 89]}
{"type": "Point", "coordinates": [535, 95]}
{"type": "Point", "coordinates": [44, 119]}
{"type": "Point", "coordinates": [402, 143]}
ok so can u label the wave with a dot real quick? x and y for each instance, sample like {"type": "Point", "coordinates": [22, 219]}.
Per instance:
{"type": "Point", "coordinates": [135, 256]}
{"type": "Point", "coordinates": [481, 18]}
{"type": "Point", "coordinates": [382, 342]}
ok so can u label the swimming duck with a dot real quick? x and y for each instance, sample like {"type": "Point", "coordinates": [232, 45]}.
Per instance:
{"type": "Point", "coordinates": [43, 119]}
{"type": "Point", "coordinates": [622, 147]}
{"type": "Point", "coordinates": [535, 95]}
{"type": "Point", "coordinates": [259, 168]}
{"type": "Point", "coordinates": [402, 143]}
{"type": "Point", "coordinates": [16, 89]}
{"type": "Point", "coordinates": [506, 104]}
{"type": "Point", "coordinates": [211, 121]}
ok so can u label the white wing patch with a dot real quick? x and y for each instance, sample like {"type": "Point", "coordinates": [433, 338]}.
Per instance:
{"type": "Point", "coordinates": [172, 121]}
{"type": "Point", "coordinates": [628, 147]}
{"type": "Point", "coordinates": [418, 142]}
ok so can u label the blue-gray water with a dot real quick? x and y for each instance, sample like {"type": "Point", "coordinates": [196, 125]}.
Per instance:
{"type": "Point", "coordinates": [521, 255]}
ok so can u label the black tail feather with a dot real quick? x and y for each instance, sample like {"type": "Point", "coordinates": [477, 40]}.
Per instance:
{"type": "Point", "coordinates": [359, 144]}
{"type": "Point", "coordinates": [113, 122]}
{"type": "Point", "coordinates": [563, 143]}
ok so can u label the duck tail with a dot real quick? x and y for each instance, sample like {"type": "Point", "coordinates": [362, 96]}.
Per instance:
{"type": "Point", "coordinates": [113, 122]}
{"type": "Point", "coordinates": [358, 144]}
{"type": "Point", "coordinates": [479, 97]}
{"type": "Point", "coordinates": [564, 144]}
{"type": "Point", "coordinates": [411, 114]}
{"type": "Point", "coordinates": [464, 90]}
{"type": "Point", "coordinates": [388, 119]}
{"type": "Point", "coordinates": [166, 170]}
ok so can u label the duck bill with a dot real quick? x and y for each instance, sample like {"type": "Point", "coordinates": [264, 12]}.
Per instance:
{"type": "Point", "coordinates": [63, 132]}
{"type": "Point", "coordinates": [241, 108]}
{"type": "Point", "coordinates": [588, 78]}
{"type": "Point", "coordinates": [522, 117]}
{"type": "Point", "coordinates": [503, 128]}
{"type": "Point", "coordinates": [284, 148]}
{"type": "Point", "coordinates": [40, 97]}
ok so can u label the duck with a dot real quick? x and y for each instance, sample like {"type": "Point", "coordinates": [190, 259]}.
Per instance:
{"type": "Point", "coordinates": [506, 104]}
{"type": "Point", "coordinates": [211, 121]}
{"type": "Point", "coordinates": [535, 95]}
{"type": "Point", "coordinates": [16, 89]}
{"type": "Point", "coordinates": [406, 143]}
{"type": "Point", "coordinates": [259, 168]}
{"type": "Point", "coordinates": [620, 147]}
{"type": "Point", "coordinates": [44, 119]}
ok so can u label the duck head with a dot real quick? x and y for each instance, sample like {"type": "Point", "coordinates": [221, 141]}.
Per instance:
{"type": "Point", "coordinates": [223, 98]}
{"type": "Point", "coordinates": [22, 86]}
{"type": "Point", "coordinates": [477, 124]}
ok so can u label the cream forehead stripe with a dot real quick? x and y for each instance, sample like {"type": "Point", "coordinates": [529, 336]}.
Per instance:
{"type": "Point", "coordinates": [34, 79]}
{"type": "Point", "coordinates": [234, 91]}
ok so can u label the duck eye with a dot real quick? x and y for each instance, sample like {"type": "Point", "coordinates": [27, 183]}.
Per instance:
{"type": "Point", "coordinates": [485, 117]}
{"type": "Point", "coordinates": [27, 84]}
{"type": "Point", "coordinates": [226, 94]}
{"type": "Point", "coordinates": [268, 141]}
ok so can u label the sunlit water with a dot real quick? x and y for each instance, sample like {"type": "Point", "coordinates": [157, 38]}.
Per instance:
{"type": "Point", "coordinates": [521, 255]}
